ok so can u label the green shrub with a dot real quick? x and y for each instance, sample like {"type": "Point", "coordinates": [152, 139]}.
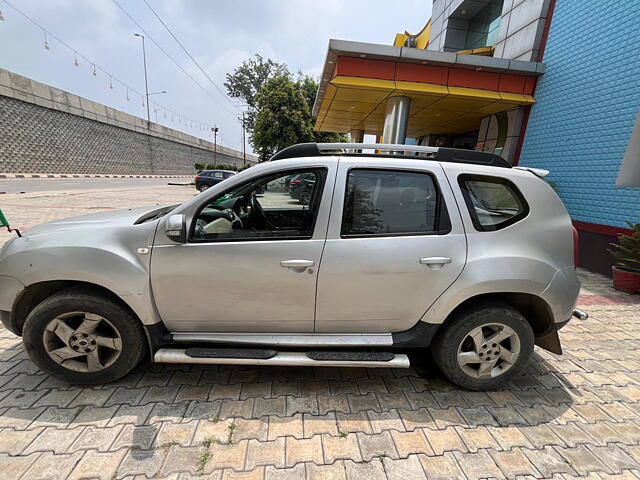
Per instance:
{"type": "Point", "coordinates": [627, 251]}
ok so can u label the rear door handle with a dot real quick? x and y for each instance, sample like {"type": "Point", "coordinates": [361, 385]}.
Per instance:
{"type": "Point", "coordinates": [435, 262]}
{"type": "Point", "coordinates": [297, 263]}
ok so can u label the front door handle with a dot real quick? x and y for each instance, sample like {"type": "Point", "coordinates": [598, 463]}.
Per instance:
{"type": "Point", "coordinates": [297, 263]}
{"type": "Point", "coordinates": [435, 262]}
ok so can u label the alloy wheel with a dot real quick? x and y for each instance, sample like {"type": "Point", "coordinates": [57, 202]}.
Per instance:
{"type": "Point", "coordinates": [82, 341]}
{"type": "Point", "coordinates": [489, 350]}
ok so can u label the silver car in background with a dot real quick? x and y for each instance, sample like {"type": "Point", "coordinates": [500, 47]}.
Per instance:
{"type": "Point", "coordinates": [394, 251]}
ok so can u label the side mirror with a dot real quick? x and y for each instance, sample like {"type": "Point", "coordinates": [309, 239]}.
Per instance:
{"type": "Point", "coordinates": [176, 228]}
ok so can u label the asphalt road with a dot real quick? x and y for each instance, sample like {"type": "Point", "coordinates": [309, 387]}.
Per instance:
{"type": "Point", "coordinates": [30, 185]}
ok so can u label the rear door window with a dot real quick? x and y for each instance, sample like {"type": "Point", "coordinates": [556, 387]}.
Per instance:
{"type": "Point", "coordinates": [493, 202]}
{"type": "Point", "coordinates": [392, 202]}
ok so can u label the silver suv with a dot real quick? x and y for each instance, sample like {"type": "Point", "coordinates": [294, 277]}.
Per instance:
{"type": "Point", "coordinates": [396, 250]}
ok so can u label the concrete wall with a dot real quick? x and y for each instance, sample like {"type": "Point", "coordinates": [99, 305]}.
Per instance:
{"type": "Point", "coordinates": [47, 130]}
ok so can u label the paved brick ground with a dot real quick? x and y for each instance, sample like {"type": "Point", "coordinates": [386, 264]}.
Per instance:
{"type": "Point", "coordinates": [574, 416]}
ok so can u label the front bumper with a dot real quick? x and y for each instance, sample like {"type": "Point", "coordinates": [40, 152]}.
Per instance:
{"type": "Point", "coordinates": [10, 289]}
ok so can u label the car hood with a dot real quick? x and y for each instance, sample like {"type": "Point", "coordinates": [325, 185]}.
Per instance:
{"type": "Point", "coordinates": [110, 218]}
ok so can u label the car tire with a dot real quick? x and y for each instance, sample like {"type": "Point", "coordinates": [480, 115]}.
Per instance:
{"type": "Point", "coordinates": [304, 198]}
{"type": "Point", "coordinates": [59, 332]}
{"type": "Point", "coordinates": [202, 188]}
{"type": "Point", "coordinates": [483, 347]}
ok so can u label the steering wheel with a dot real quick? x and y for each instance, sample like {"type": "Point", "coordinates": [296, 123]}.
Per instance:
{"type": "Point", "coordinates": [258, 218]}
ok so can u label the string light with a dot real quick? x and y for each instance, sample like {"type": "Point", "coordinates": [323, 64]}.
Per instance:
{"type": "Point", "coordinates": [94, 70]}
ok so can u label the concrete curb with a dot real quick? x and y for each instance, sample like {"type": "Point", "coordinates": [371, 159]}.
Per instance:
{"type": "Point", "coordinates": [83, 175]}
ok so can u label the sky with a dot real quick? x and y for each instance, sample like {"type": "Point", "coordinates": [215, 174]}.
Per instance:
{"type": "Point", "coordinates": [219, 34]}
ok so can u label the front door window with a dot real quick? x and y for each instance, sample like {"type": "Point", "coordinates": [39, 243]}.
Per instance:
{"type": "Point", "coordinates": [279, 206]}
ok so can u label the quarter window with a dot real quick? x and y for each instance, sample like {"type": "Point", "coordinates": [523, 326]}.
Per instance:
{"type": "Point", "coordinates": [389, 202]}
{"type": "Point", "coordinates": [493, 202]}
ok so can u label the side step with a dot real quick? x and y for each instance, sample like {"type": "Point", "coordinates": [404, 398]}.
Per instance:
{"type": "Point", "coordinates": [238, 356]}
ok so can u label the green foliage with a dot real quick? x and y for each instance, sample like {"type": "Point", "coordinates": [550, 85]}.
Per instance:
{"type": "Point", "coordinates": [284, 115]}
{"type": "Point", "coordinates": [279, 107]}
{"type": "Point", "coordinates": [245, 82]}
{"type": "Point", "coordinates": [627, 251]}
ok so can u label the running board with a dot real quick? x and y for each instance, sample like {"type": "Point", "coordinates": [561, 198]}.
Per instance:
{"type": "Point", "coordinates": [231, 356]}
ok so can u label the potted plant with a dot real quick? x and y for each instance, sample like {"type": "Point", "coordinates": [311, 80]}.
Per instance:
{"type": "Point", "coordinates": [626, 271]}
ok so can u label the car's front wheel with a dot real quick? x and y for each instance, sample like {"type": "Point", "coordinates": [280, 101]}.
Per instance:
{"type": "Point", "coordinates": [84, 338]}
{"type": "Point", "coordinates": [483, 347]}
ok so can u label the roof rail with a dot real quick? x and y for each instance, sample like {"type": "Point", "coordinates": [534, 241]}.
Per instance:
{"type": "Point", "coordinates": [439, 154]}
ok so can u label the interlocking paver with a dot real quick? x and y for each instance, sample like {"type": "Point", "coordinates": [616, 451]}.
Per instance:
{"type": "Point", "coordinates": [514, 463]}
{"type": "Point", "coordinates": [404, 469]}
{"type": "Point", "coordinates": [575, 416]}
{"type": "Point", "coordinates": [582, 460]}
{"type": "Point", "coordinates": [14, 442]}
{"type": "Point", "coordinates": [341, 447]}
{"type": "Point", "coordinates": [477, 438]}
{"type": "Point", "coordinates": [444, 467]}
{"type": "Point", "coordinates": [410, 442]}
{"type": "Point", "coordinates": [50, 465]}
{"type": "Point", "coordinates": [303, 450]}
{"type": "Point", "coordinates": [285, 426]}
{"type": "Point", "coordinates": [332, 471]}
{"type": "Point", "coordinates": [478, 465]}
{"type": "Point", "coordinates": [373, 470]}
{"type": "Point", "coordinates": [266, 453]}
{"type": "Point", "coordinates": [95, 464]}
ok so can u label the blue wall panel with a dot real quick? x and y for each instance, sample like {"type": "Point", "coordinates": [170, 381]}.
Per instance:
{"type": "Point", "coordinates": [587, 102]}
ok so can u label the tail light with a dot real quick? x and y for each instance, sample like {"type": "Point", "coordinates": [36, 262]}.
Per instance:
{"type": "Point", "coordinates": [198, 177]}
{"type": "Point", "coordinates": [296, 181]}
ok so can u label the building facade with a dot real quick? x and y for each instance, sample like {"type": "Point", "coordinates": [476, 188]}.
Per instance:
{"type": "Point", "coordinates": [520, 78]}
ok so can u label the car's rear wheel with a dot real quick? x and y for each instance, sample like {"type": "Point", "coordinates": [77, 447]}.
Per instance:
{"type": "Point", "coordinates": [482, 348]}
{"type": "Point", "coordinates": [84, 338]}
{"type": "Point", "coordinates": [203, 188]}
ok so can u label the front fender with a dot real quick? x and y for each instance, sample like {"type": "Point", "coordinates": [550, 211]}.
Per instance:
{"type": "Point", "coordinates": [105, 258]}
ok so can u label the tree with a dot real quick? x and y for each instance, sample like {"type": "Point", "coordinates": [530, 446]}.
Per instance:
{"type": "Point", "coordinates": [245, 82]}
{"type": "Point", "coordinates": [284, 115]}
{"type": "Point", "coordinates": [309, 89]}
{"type": "Point", "coordinates": [282, 118]}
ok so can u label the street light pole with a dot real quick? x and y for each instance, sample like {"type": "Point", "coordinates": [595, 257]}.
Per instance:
{"type": "Point", "coordinates": [146, 83]}
{"type": "Point", "coordinates": [244, 141]}
{"type": "Point", "coordinates": [215, 146]}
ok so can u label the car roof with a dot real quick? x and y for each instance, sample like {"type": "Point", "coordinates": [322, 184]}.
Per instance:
{"type": "Point", "coordinates": [226, 171]}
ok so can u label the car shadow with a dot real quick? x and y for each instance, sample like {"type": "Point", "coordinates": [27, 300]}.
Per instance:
{"type": "Point", "coordinates": [142, 409]}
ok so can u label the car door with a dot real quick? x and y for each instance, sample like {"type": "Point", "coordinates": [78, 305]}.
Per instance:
{"type": "Point", "coordinates": [257, 278]}
{"type": "Point", "coordinates": [395, 243]}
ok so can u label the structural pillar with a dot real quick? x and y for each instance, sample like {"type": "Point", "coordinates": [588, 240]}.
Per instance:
{"type": "Point", "coordinates": [396, 119]}
{"type": "Point", "coordinates": [356, 136]}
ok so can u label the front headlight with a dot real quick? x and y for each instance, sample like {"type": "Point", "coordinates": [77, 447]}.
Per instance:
{"type": "Point", "coordinates": [5, 246]}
